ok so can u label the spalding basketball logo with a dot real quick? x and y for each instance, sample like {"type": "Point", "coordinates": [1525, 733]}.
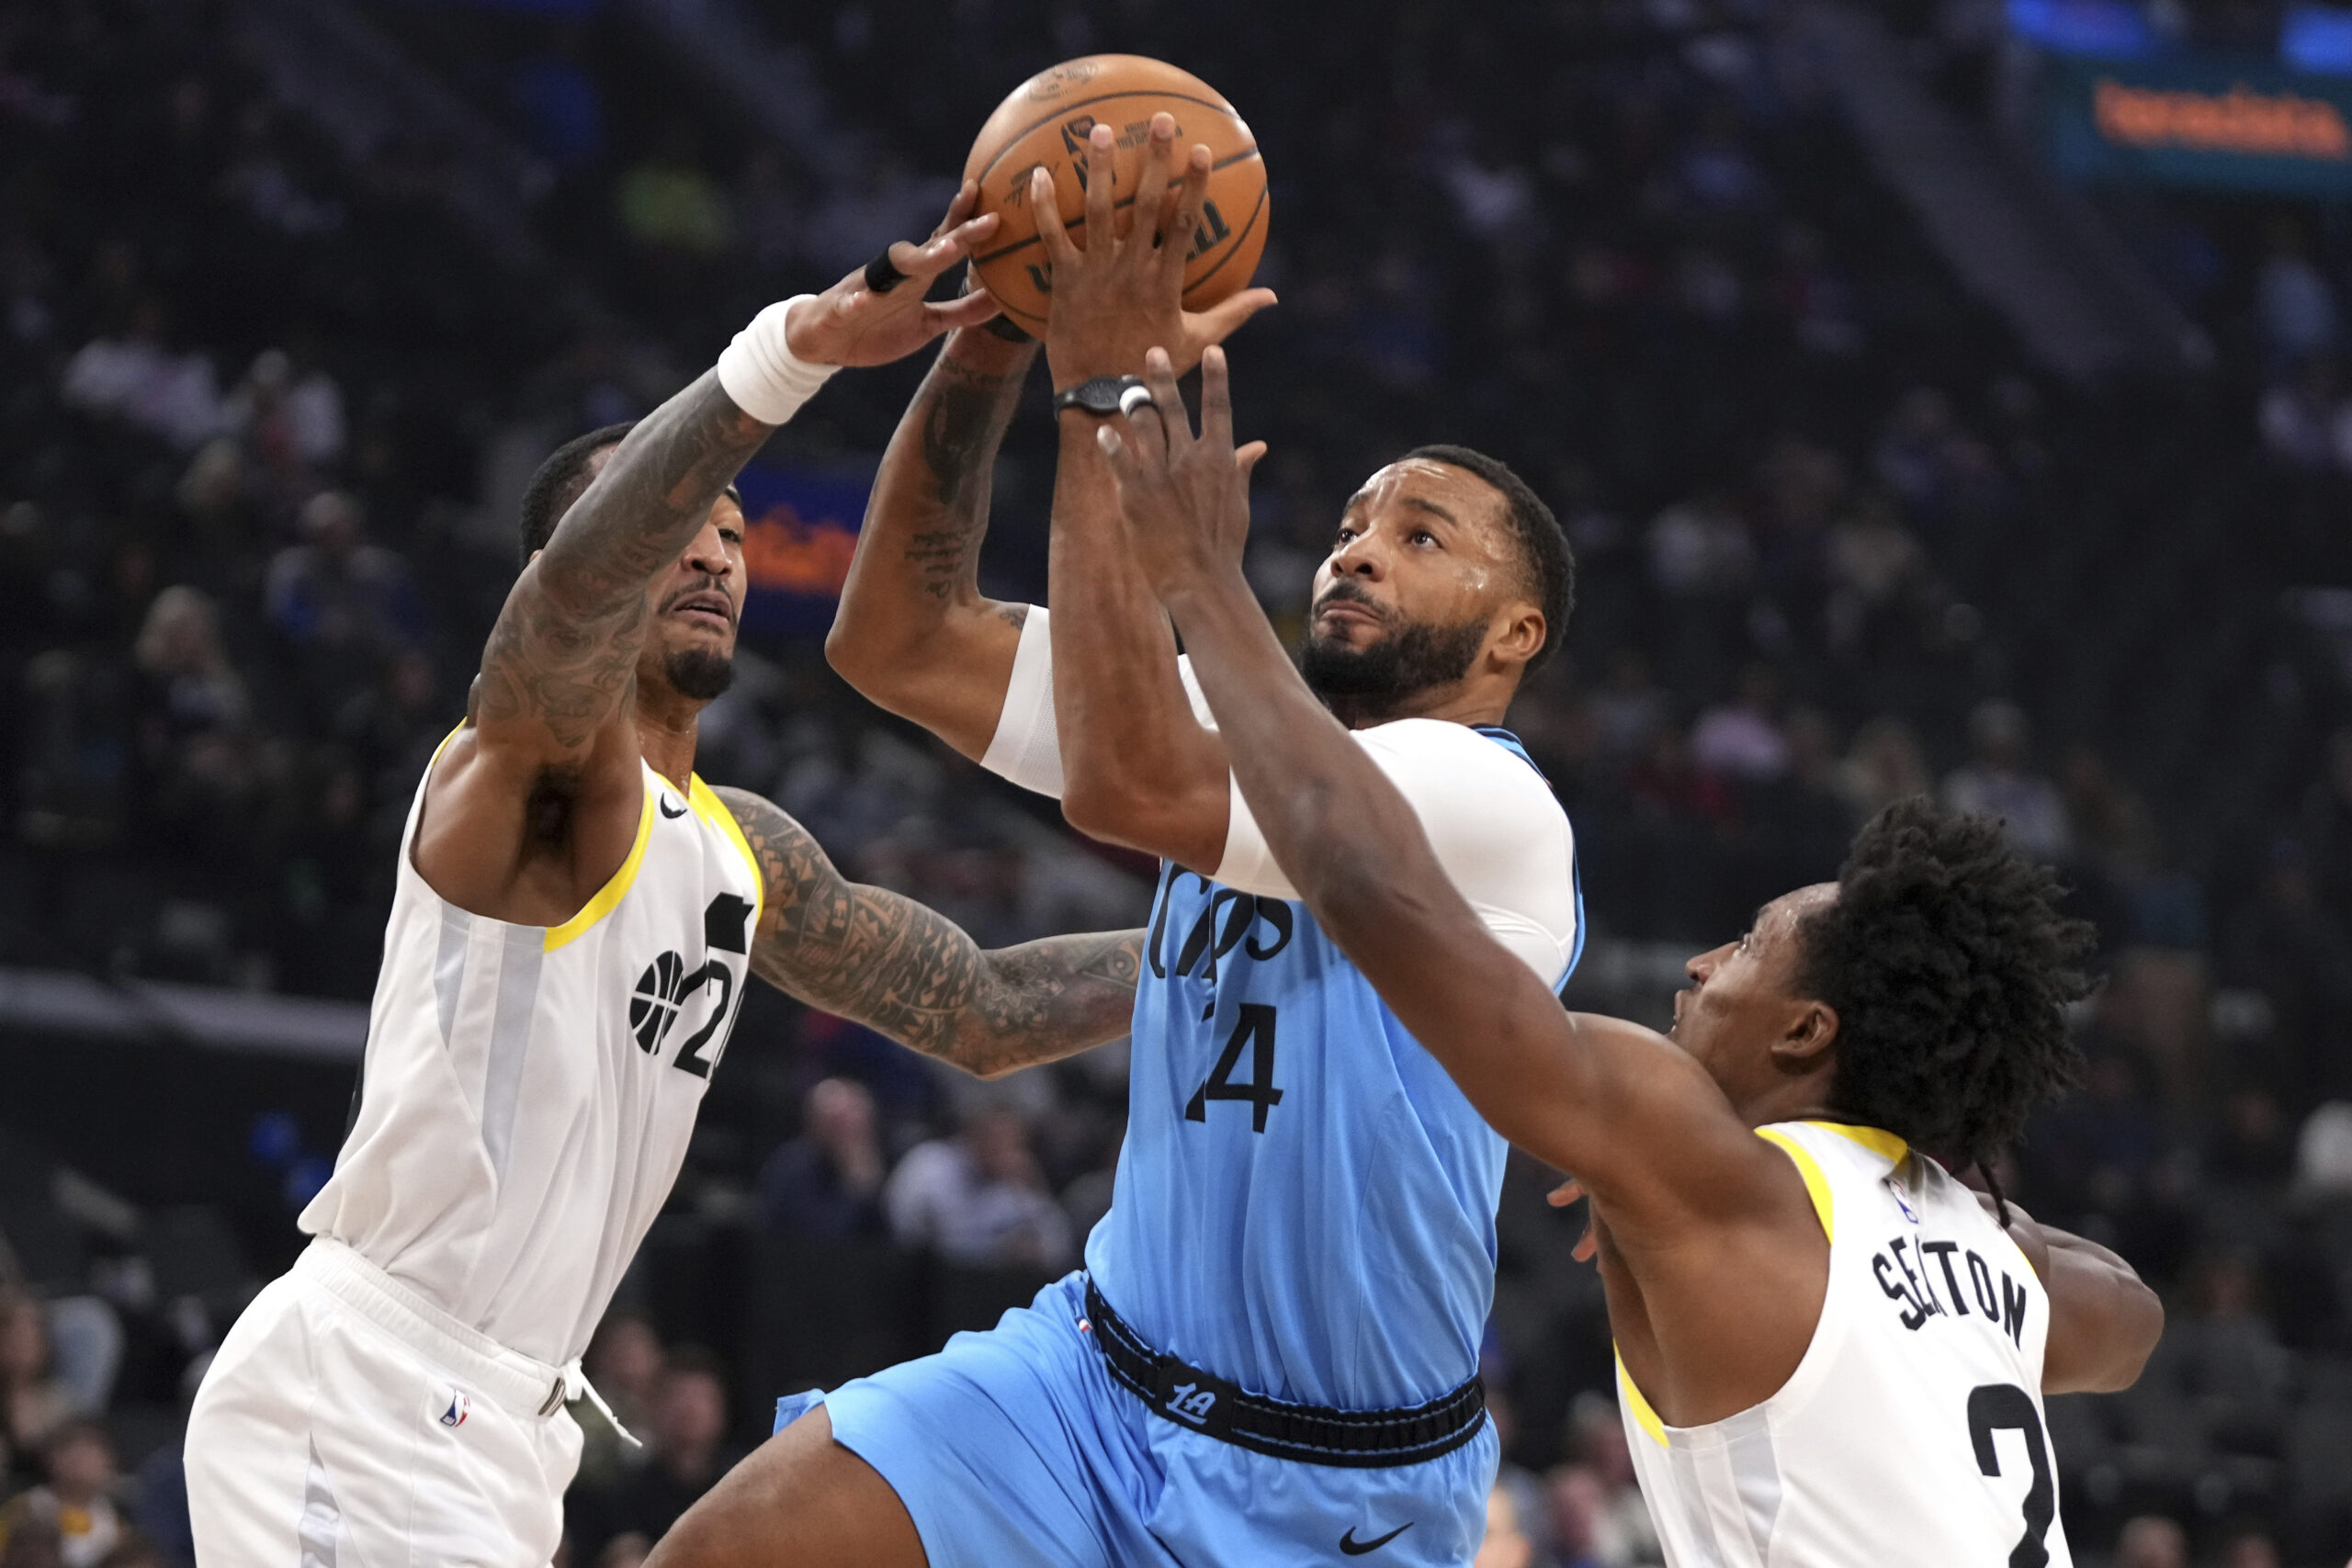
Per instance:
{"type": "Point", "coordinates": [458, 1407]}
{"type": "Point", "coordinates": [1061, 78]}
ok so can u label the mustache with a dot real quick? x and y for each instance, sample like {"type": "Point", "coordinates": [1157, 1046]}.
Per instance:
{"type": "Point", "coordinates": [1347, 591]}
{"type": "Point", "coordinates": [708, 584]}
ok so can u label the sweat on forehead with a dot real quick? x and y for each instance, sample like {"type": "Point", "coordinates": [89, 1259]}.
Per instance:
{"type": "Point", "coordinates": [1426, 478]}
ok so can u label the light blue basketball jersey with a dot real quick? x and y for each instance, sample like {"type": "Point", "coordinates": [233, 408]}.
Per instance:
{"type": "Point", "coordinates": [1305, 1203]}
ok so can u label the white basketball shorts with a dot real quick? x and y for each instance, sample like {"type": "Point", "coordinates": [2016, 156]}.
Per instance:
{"type": "Point", "coordinates": [348, 1423]}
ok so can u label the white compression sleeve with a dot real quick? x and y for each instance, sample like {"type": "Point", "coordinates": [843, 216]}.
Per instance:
{"type": "Point", "coordinates": [1027, 747]}
{"type": "Point", "coordinates": [760, 371]}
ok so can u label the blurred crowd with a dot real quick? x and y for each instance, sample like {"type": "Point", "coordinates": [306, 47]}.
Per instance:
{"type": "Point", "coordinates": [269, 407]}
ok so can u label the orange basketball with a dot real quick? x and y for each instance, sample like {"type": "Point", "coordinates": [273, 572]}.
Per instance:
{"type": "Point", "coordinates": [1047, 120]}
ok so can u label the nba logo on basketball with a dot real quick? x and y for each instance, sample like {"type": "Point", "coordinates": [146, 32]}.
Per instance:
{"type": "Point", "coordinates": [454, 1408]}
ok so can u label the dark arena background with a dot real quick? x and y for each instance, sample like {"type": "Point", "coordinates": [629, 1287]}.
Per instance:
{"type": "Point", "coordinates": [1941, 397]}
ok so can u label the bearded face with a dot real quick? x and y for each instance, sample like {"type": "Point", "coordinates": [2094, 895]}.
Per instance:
{"type": "Point", "coordinates": [1377, 681]}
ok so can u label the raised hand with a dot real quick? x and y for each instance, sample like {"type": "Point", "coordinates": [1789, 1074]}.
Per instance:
{"type": "Point", "coordinates": [1184, 498]}
{"type": "Point", "coordinates": [1120, 295]}
{"type": "Point", "coordinates": [1560, 1197]}
{"type": "Point", "coordinates": [851, 324]}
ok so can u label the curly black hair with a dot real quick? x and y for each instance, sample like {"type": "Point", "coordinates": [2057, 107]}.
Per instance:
{"type": "Point", "coordinates": [1950, 969]}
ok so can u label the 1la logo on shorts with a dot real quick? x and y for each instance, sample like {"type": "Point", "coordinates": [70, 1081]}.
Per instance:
{"type": "Point", "coordinates": [453, 1405]}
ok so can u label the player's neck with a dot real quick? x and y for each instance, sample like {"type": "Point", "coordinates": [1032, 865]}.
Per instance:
{"type": "Point", "coordinates": [1463, 702]}
{"type": "Point", "coordinates": [1801, 1099]}
{"type": "Point", "coordinates": [665, 732]}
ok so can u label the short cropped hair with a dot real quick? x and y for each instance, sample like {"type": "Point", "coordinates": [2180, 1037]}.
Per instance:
{"type": "Point", "coordinates": [561, 480]}
{"type": "Point", "coordinates": [1549, 564]}
{"type": "Point", "coordinates": [1950, 969]}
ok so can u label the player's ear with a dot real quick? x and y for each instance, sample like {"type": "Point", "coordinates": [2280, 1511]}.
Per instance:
{"type": "Point", "coordinates": [1810, 1033]}
{"type": "Point", "coordinates": [1521, 633]}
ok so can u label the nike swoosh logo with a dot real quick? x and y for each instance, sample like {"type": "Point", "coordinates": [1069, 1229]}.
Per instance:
{"type": "Point", "coordinates": [1354, 1548]}
{"type": "Point", "coordinates": [673, 815]}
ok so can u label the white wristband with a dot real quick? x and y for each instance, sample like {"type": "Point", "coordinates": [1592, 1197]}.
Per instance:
{"type": "Point", "coordinates": [759, 371]}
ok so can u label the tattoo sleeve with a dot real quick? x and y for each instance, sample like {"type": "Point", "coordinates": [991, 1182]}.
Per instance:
{"type": "Point", "coordinates": [902, 969]}
{"type": "Point", "coordinates": [962, 412]}
{"type": "Point", "coordinates": [564, 650]}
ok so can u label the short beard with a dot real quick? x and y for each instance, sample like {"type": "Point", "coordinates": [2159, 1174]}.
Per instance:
{"type": "Point", "coordinates": [1370, 685]}
{"type": "Point", "coordinates": [697, 674]}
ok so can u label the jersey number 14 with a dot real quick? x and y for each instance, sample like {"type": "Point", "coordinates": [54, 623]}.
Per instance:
{"type": "Point", "coordinates": [1254, 1029]}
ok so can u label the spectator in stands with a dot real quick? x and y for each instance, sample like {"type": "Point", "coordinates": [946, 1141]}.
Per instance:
{"type": "Point", "coordinates": [980, 1199]}
{"type": "Point", "coordinates": [35, 1404]}
{"type": "Point", "coordinates": [828, 1182]}
{"type": "Point", "coordinates": [1505, 1545]}
{"type": "Point", "coordinates": [1882, 766]}
{"type": "Point", "coordinates": [628, 1549]}
{"type": "Point", "coordinates": [2250, 1549]}
{"type": "Point", "coordinates": [1997, 781]}
{"type": "Point", "coordinates": [669, 202]}
{"type": "Point", "coordinates": [335, 594]}
{"type": "Point", "coordinates": [195, 716]}
{"type": "Point", "coordinates": [2323, 1154]}
{"type": "Point", "coordinates": [1742, 739]}
{"type": "Point", "coordinates": [685, 1453]}
{"type": "Point", "coordinates": [1874, 566]}
{"type": "Point", "coordinates": [139, 378]}
{"type": "Point", "coordinates": [1628, 709]}
{"type": "Point", "coordinates": [37, 1545]}
{"type": "Point", "coordinates": [2298, 954]}
{"type": "Point", "coordinates": [76, 1500]}
{"type": "Point", "coordinates": [290, 418]}
{"type": "Point", "coordinates": [2152, 1541]}
{"type": "Point", "coordinates": [2292, 298]}
{"type": "Point", "coordinates": [1580, 1501]}
{"type": "Point", "coordinates": [2221, 1359]}
{"type": "Point", "coordinates": [2300, 420]}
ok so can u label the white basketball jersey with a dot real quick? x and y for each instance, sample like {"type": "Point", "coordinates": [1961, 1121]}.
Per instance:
{"type": "Point", "coordinates": [1912, 1431]}
{"type": "Point", "coordinates": [529, 1090]}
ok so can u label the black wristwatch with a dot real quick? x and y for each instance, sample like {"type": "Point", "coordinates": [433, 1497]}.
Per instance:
{"type": "Point", "coordinates": [1101, 396]}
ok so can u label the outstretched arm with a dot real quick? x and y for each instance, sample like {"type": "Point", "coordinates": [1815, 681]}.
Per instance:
{"type": "Point", "coordinates": [909, 972]}
{"type": "Point", "coordinates": [2104, 1321]}
{"type": "Point", "coordinates": [1138, 768]}
{"type": "Point", "coordinates": [914, 633]}
{"type": "Point", "coordinates": [534, 804]}
{"type": "Point", "coordinates": [558, 665]}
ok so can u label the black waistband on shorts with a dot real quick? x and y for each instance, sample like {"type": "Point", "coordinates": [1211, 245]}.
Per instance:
{"type": "Point", "coordinates": [1358, 1440]}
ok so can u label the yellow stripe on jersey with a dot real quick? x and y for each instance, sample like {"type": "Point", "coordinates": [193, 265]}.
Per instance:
{"type": "Point", "coordinates": [1816, 1185]}
{"type": "Point", "coordinates": [1880, 1142]}
{"type": "Point", "coordinates": [610, 894]}
{"type": "Point", "coordinates": [713, 810]}
{"type": "Point", "coordinates": [1644, 1416]}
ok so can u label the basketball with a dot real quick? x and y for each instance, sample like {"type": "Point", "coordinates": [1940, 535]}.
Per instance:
{"type": "Point", "coordinates": [1047, 120]}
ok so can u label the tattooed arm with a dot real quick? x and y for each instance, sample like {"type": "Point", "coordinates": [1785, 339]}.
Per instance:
{"type": "Point", "coordinates": [907, 972]}
{"type": "Point", "coordinates": [914, 633]}
{"type": "Point", "coordinates": [534, 804]}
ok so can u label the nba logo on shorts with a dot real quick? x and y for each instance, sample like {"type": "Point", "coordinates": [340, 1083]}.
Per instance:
{"type": "Point", "coordinates": [452, 1403]}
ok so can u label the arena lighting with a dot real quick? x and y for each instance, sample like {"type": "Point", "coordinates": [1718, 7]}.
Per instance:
{"type": "Point", "coordinates": [2317, 39]}
{"type": "Point", "coordinates": [2108, 30]}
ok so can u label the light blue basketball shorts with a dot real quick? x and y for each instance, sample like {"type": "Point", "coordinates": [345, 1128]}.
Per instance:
{"type": "Point", "coordinates": [1014, 1447]}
